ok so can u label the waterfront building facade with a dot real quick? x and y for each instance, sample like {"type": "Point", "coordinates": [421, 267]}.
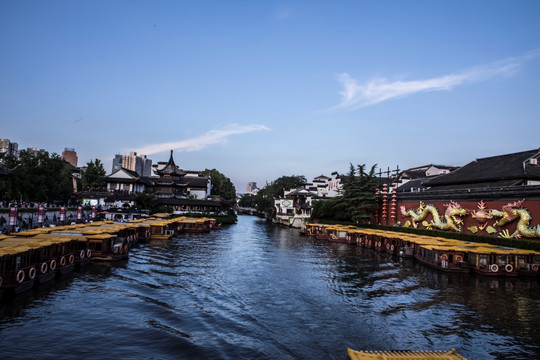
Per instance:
{"type": "Point", "coordinates": [184, 190]}
{"type": "Point", "coordinates": [494, 196]}
{"type": "Point", "coordinates": [295, 208]}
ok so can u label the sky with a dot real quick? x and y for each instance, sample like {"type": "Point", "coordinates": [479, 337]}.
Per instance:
{"type": "Point", "coordinates": [264, 89]}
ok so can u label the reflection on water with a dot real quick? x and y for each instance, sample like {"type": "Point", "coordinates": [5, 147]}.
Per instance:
{"type": "Point", "coordinates": [256, 291]}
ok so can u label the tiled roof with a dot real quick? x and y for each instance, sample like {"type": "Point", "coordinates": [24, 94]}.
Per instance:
{"type": "Point", "coordinates": [170, 168]}
{"type": "Point", "coordinates": [193, 181]}
{"type": "Point", "coordinates": [129, 172]}
{"type": "Point", "coordinates": [197, 202]}
{"type": "Point", "coordinates": [492, 169]}
{"type": "Point", "coordinates": [412, 184]}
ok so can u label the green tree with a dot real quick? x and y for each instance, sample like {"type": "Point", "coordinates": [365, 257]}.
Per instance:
{"type": "Point", "coordinates": [221, 185]}
{"type": "Point", "coordinates": [38, 177]}
{"type": "Point", "coordinates": [147, 202]}
{"type": "Point", "coordinates": [357, 202]}
{"type": "Point", "coordinates": [264, 200]}
{"type": "Point", "coordinates": [94, 175]}
{"type": "Point", "coordinates": [8, 183]}
{"type": "Point", "coordinates": [247, 200]}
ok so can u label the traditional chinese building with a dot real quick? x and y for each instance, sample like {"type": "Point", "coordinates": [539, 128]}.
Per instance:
{"type": "Point", "coordinates": [498, 196]}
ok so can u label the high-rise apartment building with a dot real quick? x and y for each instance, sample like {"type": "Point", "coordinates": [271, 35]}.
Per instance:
{"type": "Point", "coordinates": [140, 164]}
{"type": "Point", "coordinates": [251, 187]}
{"type": "Point", "coordinates": [70, 155]}
{"type": "Point", "coordinates": [8, 148]}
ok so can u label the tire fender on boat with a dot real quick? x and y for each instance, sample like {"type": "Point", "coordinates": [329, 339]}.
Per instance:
{"type": "Point", "coordinates": [43, 268]}
{"type": "Point", "coordinates": [62, 261]}
{"type": "Point", "coordinates": [71, 259]}
{"type": "Point", "coordinates": [32, 273]}
{"type": "Point", "coordinates": [508, 268]}
{"type": "Point", "coordinates": [53, 265]}
{"type": "Point", "coordinates": [20, 276]}
{"type": "Point", "coordinates": [494, 267]}
{"type": "Point", "coordinates": [392, 247]}
{"type": "Point", "coordinates": [89, 253]}
{"type": "Point", "coordinates": [82, 254]}
{"type": "Point", "coordinates": [534, 267]}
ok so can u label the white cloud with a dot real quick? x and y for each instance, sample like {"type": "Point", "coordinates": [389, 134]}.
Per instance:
{"type": "Point", "coordinates": [283, 13]}
{"type": "Point", "coordinates": [378, 90]}
{"type": "Point", "coordinates": [198, 143]}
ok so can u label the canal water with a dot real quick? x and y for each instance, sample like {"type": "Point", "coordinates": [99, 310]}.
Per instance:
{"type": "Point", "coordinates": [258, 291]}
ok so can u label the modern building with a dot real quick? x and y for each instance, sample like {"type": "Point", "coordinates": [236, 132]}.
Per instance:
{"type": "Point", "coordinates": [36, 150]}
{"type": "Point", "coordinates": [70, 155]}
{"type": "Point", "coordinates": [251, 188]}
{"type": "Point", "coordinates": [8, 148]}
{"type": "Point", "coordinates": [138, 163]}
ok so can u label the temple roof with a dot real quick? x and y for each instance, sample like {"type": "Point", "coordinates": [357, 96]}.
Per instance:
{"type": "Point", "coordinates": [516, 166]}
{"type": "Point", "coordinates": [170, 168]}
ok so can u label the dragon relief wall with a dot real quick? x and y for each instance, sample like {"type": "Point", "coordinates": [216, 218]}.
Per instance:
{"type": "Point", "coordinates": [509, 219]}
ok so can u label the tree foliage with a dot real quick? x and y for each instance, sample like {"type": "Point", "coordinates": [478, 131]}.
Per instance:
{"type": "Point", "coordinates": [37, 177]}
{"type": "Point", "coordinates": [94, 175]}
{"type": "Point", "coordinates": [357, 202]}
{"type": "Point", "coordinates": [147, 202]}
{"type": "Point", "coordinates": [247, 201]}
{"type": "Point", "coordinates": [221, 185]}
{"type": "Point", "coordinates": [264, 200]}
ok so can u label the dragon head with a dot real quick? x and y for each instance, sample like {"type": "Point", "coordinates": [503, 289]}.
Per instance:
{"type": "Point", "coordinates": [455, 211]}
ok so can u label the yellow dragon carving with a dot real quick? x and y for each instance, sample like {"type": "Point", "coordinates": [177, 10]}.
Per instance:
{"type": "Point", "coordinates": [451, 215]}
{"type": "Point", "coordinates": [511, 212]}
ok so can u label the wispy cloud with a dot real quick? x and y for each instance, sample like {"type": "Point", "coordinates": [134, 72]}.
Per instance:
{"type": "Point", "coordinates": [283, 13]}
{"type": "Point", "coordinates": [198, 143]}
{"type": "Point", "coordinates": [378, 90]}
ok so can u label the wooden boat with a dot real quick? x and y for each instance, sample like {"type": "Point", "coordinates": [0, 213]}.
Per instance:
{"type": "Point", "coordinates": [106, 247]}
{"type": "Point", "coordinates": [445, 258]}
{"type": "Point", "coordinates": [321, 232]}
{"type": "Point", "coordinates": [311, 229]}
{"type": "Point", "coordinates": [493, 261]}
{"type": "Point", "coordinates": [159, 231]}
{"type": "Point", "coordinates": [528, 263]}
{"type": "Point", "coordinates": [17, 270]}
{"type": "Point", "coordinates": [40, 260]}
{"type": "Point", "coordinates": [401, 354]}
{"type": "Point", "coordinates": [337, 234]}
{"type": "Point", "coordinates": [201, 225]}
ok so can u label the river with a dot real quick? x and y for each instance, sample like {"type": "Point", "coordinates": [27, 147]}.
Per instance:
{"type": "Point", "coordinates": [259, 291]}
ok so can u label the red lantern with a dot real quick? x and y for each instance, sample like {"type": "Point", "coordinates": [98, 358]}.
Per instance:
{"type": "Point", "coordinates": [62, 214]}
{"type": "Point", "coordinates": [13, 216]}
{"type": "Point", "coordinates": [41, 214]}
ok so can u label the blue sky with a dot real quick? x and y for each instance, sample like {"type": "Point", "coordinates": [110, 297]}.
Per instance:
{"type": "Point", "coordinates": [261, 89]}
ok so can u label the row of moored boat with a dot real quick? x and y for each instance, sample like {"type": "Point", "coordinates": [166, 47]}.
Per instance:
{"type": "Point", "coordinates": [37, 256]}
{"type": "Point", "coordinates": [438, 252]}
